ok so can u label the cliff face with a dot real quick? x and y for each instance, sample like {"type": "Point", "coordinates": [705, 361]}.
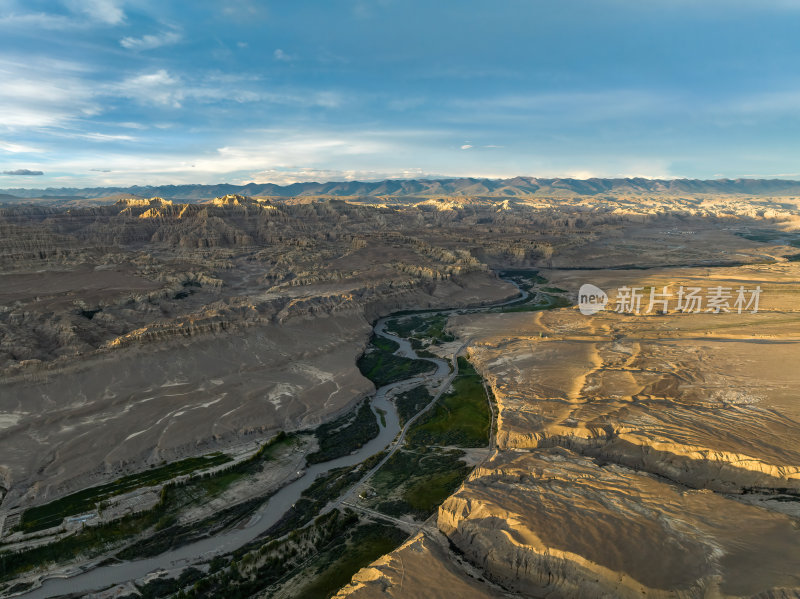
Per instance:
{"type": "Point", "coordinates": [421, 567]}
{"type": "Point", "coordinates": [116, 412]}
{"type": "Point", "coordinates": [77, 281]}
{"type": "Point", "coordinates": [552, 523]}
{"type": "Point", "coordinates": [189, 385]}
{"type": "Point", "coordinates": [635, 456]}
{"type": "Point", "coordinates": [639, 456]}
{"type": "Point", "coordinates": [147, 330]}
{"type": "Point", "coordinates": [713, 411]}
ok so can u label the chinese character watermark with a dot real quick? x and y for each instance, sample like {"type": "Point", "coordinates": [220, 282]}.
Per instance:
{"type": "Point", "coordinates": [688, 300]}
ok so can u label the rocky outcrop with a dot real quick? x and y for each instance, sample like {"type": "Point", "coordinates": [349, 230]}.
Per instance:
{"type": "Point", "coordinates": [148, 330]}
{"type": "Point", "coordinates": [198, 326]}
{"type": "Point", "coordinates": [636, 457]}
{"type": "Point", "coordinates": [421, 568]}
{"type": "Point", "coordinates": [551, 523]}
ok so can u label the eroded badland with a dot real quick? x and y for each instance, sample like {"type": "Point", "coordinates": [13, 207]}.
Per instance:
{"type": "Point", "coordinates": [628, 455]}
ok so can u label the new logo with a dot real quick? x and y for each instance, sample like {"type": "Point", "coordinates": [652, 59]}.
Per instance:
{"type": "Point", "coordinates": [591, 299]}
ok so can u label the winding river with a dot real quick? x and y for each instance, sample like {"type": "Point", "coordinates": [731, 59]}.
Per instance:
{"type": "Point", "coordinates": [272, 510]}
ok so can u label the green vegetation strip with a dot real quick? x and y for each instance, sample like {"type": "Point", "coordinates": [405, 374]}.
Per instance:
{"type": "Point", "coordinates": [411, 402]}
{"type": "Point", "coordinates": [270, 561]}
{"type": "Point", "coordinates": [89, 542]}
{"type": "Point", "coordinates": [338, 564]}
{"type": "Point", "coordinates": [345, 434]}
{"type": "Point", "coordinates": [323, 490]}
{"type": "Point", "coordinates": [311, 562]}
{"type": "Point", "coordinates": [164, 587]}
{"type": "Point", "coordinates": [52, 514]}
{"type": "Point", "coordinates": [381, 366]}
{"type": "Point", "coordinates": [421, 327]}
{"type": "Point", "coordinates": [528, 281]}
{"type": "Point", "coordinates": [417, 482]}
{"type": "Point", "coordinates": [168, 535]}
{"type": "Point", "coordinates": [461, 417]}
{"type": "Point", "coordinates": [301, 558]}
{"type": "Point", "coordinates": [770, 236]}
{"type": "Point", "coordinates": [524, 278]}
{"type": "Point", "coordinates": [94, 540]}
{"type": "Point", "coordinates": [419, 477]}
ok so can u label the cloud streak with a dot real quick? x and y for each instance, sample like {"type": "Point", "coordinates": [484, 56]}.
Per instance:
{"type": "Point", "coordinates": [158, 87]}
{"type": "Point", "coordinates": [38, 21]}
{"type": "Point", "coordinates": [151, 41]}
{"type": "Point", "coordinates": [108, 12]}
{"type": "Point", "coordinates": [248, 87]}
{"type": "Point", "coordinates": [39, 92]}
{"type": "Point", "coordinates": [23, 172]}
{"type": "Point", "coordinates": [15, 148]}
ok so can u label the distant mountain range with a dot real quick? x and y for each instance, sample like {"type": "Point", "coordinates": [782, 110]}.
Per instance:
{"type": "Point", "coordinates": [516, 187]}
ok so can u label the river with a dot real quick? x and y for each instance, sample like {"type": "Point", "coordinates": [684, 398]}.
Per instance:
{"type": "Point", "coordinates": [270, 512]}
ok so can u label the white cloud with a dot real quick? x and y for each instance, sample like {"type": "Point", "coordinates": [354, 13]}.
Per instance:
{"type": "Point", "coordinates": [466, 147]}
{"type": "Point", "coordinates": [102, 11]}
{"type": "Point", "coordinates": [106, 12]}
{"type": "Point", "coordinates": [43, 93]}
{"type": "Point", "coordinates": [132, 125]}
{"type": "Point", "coordinates": [158, 87]}
{"type": "Point", "coordinates": [37, 21]}
{"type": "Point", "coordinates": [279, 155]}
{"type": "Point", "coordinates": [13, 148]}
{"type": "Point", "coordinates": [282, 56]}
{"type": "Point", "coordinates": [105, 137]}
{"type": "Point", "coordinates": [163, 88]}
{"type": "Point", "coordinates": [764, 176]}
{"type": "Point", "coordinates": [286, 156]}
{"type": "Point", "coordinates": [150, 41]}
{"type": "Point", "coordinates": [320, 99]}
{"type": "Point", "coordinates": [284, 149]}
{"type": "Point", "coordinates": [39, 93]}
{"type": "Point", "coordinates": [287, 176]}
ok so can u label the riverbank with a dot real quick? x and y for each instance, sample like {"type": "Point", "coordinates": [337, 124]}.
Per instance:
{"type": "Point", "coordinates": [271, 513]}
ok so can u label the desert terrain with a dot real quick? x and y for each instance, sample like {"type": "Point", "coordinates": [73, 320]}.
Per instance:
{"type": "Point", "coordinates": [651, 454]}
{"type": "Point", "coordinates": [635, 455]}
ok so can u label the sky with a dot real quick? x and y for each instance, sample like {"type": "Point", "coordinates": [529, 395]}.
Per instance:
{"type": "Point", "coordinates": [149, 92]}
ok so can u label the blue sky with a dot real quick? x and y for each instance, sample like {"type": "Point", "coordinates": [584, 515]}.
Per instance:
{"type": "Point", "coordinates": [106, 92]}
